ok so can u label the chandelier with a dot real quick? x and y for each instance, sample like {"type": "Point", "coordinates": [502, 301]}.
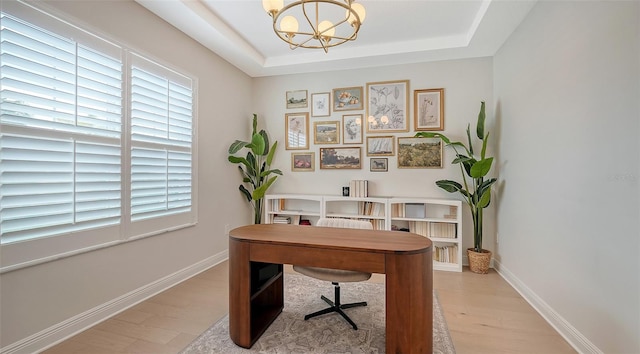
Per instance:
{"type": "Point", "coordinates": [317, 29]}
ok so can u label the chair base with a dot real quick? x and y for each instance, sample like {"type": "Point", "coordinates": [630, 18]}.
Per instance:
{"type": "Point", "coordinates": [337, 307]}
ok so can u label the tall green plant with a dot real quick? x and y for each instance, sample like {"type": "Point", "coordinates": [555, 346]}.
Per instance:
{"type": "Point", "coordinates": [475, 190]}
{"type": "Point", "coordinates": [255, 167]}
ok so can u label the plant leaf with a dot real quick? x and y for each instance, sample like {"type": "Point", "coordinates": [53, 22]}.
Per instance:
{"type": "Point", "coordinates": [484, 146]}
{"type": "Point", "coordinates": [449, 186]}
{"type": "Point", "coordinates": [236, 146]}
{"type": "Point", "coordinates": [272, 152]}
{"type": "Point", "coordinates": [432, 135]}
{"type": "Point", "coordinates": [481, 168]}
{"type": "Point", "coordinates": [255, 124]}
{"type": "Point", "coordinates": [469, 139]}
{"type": "Point", "coordinates": [480, 124]}
{"type": "Point", "coordinates": [268, 172]}
{"type": "Point", "coordinates": [245, 192]}
{"type": "Point", "coordinates": [257, 144]}
{"type": "Point", "coordinates": [259, 192]}
{"type": "Point", "coordinates": [265, 137]}
{"type": "Point", "coordinates": [485, 198]}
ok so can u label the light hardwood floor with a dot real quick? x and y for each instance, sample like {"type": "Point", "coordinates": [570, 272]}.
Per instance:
{"type": "Point", "coordinates": [483, 312]}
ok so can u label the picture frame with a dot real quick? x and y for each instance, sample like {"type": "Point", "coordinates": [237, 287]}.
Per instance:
{"type": "Point", "coordinates": [428, 107]}
{"type": "Point", "coordinates": [303, 161]}
{"type": "Point", "coordinates": [380, 145]}
{"type": "Point", "coordinates": [340, 158]}
{"type": "Point", "coordinates": [297, 131]}
{"type": "Point", "coordinates": [419, 152]}
{"type": "Point", "coordinates": [378, 164]}
{"type": "Point", "coordinates": [352, 129]}
{"type": "Point", "coordinates": [296, 99]}
{"type": "Point", "coordinates": [321, 104]}
{"type": "Point", "coordinates": [388, 106]}
{"type": "Point", "coordinates": [326, 132]}
{"type": "Point", "coordinates": [347, 99]}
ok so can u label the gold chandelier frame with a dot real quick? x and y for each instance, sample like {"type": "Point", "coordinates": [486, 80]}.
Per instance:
{"type": "Point", "coordinates": [317, 38]}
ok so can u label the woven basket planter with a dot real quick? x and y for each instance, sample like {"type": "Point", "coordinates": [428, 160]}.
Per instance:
{"type": "Point", "coordinates": [479, 261]}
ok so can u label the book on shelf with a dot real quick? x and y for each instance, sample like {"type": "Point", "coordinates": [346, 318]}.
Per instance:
{"type": "Point", "coordinates": [446, 254]}
{"type": "Point", "coordinates": [433, 229]}
{"type": "Point", "coordinates": [371, 208]}
{"type": "Point", "coordinates": [277, 205]}
{"type": "Point", "coordinates": [359, 188]}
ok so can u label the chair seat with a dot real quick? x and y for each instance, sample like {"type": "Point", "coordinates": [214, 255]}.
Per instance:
{"type": "Point", "coordinates": [333, 275]}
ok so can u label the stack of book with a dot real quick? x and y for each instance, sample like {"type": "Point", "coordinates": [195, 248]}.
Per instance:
{"type": "Point", "coordinates": [359, 188]}
{"type": "Point", "coordinates": [433, 229]}
{"type": "Point", "coordinates": [281, 220]}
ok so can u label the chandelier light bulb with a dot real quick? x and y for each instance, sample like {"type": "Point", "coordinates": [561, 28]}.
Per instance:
{"type": "Point", "coordinates": [272, 6]}
{"type": "Point", "coordinates": [325, 29]}
{"type": "Point", "coordinates": [371, 119]}
{"type": "Point", "coordinates": [289, 24]}
{"type": "Point", "coordinates": [359, 9]}
{"type": "Point", "coordinates": [384, 119]}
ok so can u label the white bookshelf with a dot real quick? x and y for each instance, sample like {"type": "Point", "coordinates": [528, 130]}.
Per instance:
{"type": "Point", "coordinates": [294, 206]}
{"type": "Point", "coordinates": [438, 219]}
{"type": "Point", "coordinates": [361, 208]}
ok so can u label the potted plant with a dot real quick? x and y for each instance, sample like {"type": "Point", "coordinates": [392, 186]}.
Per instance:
{"type": "Point", "coordinates": [255, 168]}
{"type": "Point", "coordinates": [475, 189]}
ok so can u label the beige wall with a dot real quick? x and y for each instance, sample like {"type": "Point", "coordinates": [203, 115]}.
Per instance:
{"type": "Point", "coordinates": [466, 83]}
{"type": "Point", "coordinates": [35, 298]}
{"type": "Point", "coordinates": [567, 91]}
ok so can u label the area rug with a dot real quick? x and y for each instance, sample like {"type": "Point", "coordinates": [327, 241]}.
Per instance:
{"type": "Point", "coordinates": [290, 333]}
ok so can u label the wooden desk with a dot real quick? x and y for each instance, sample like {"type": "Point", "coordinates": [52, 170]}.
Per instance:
{"type": "Point", "coordinates": [405, 258]}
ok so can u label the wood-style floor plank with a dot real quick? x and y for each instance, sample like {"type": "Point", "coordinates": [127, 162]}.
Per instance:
{"type": "Point", "coordinates": [483, 312]}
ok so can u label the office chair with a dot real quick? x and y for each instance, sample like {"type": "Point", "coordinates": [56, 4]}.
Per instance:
{"type": "Point", "coordinates": [337, 276]}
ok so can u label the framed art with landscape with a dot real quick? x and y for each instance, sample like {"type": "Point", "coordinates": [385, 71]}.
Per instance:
{"type": "Point", "coordinates": [326, 132]}
{"type": "Point", "coordinates": [380, 145]}
{"type": "Point", "coordinates": [419, 152]}
{"type": "Point", "coordinates": [340, 158]}
{"type": "Point", "coordinates": [297, 99]}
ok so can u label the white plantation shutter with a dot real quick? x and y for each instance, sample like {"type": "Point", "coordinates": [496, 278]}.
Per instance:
{"type": "Point", "coordinates": [55, 87]}
{"type": "Point", "coordinates": [64, 169]}
{"type": "Point", "coordinates": [161, 138]}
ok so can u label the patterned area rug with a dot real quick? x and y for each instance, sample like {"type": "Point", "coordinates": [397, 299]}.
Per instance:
{"type": "Point", "coordinates": [290, 333]}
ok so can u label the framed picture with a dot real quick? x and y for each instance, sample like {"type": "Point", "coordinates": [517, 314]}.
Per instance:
{"type": "Point", "coordinates": [302, 161]}
{"type": "Point", "coordinates": [379, 164]}
{"type": "Point", "coordinates": [380, 145]}
{"type": "Point", "coordinates": [326, 132]}
{"type": "Point", "coordinates": [320, 104]}
{"type": "Point", "coordinates": [297, 99]}
{"type": "Point", "coordinates": [419, 153]}
{"type": "Point", "coordinates": [297, 131]}
{"type": "Point", "coordinates": [352, 129]}
{"type": "Point", "coordinates": [347, 99]}
{"type": "Point", "coordinates": [428, 106]}
{"type": "Point", "coordinates": [340, 158]}
{"type": "Point", "coordinates": [388, 106]}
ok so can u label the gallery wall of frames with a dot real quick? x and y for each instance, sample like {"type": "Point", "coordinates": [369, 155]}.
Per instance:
{"type": "Point", "coordinates": [375, 121]}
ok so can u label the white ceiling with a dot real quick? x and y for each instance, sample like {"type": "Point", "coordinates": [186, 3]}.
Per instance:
{"type": "Point", "coordinates": [394, 32]}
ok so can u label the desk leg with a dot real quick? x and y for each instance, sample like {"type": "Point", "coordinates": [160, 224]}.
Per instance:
{"type": "Point", "coordinates": [409, 303]}
{"type": "Point", "coordinates": [240, 287]}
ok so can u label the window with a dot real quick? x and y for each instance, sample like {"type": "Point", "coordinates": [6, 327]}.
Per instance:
{"type": "Point", "coordinates": [77, 169]}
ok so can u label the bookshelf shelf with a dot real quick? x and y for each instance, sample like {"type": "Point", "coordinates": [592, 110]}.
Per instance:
{"type": "Point", "coordinates": [438, 219]}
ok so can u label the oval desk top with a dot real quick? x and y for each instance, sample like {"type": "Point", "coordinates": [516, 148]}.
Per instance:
{"type": "Point", "coordinates": [329, 237]}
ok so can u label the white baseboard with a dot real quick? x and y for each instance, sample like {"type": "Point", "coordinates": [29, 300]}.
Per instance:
{"type": "Point", "coordinates": [579, 342]}
{"type": "Point", "coordinates": [76, 324]}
